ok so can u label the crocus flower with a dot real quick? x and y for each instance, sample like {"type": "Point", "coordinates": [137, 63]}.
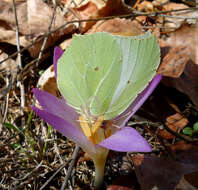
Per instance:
{"type": "Point", "coordinates": [101, 136]}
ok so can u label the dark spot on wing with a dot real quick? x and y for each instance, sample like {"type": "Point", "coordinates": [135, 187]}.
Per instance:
{"type": "Point", "coordinates": [96, 68]}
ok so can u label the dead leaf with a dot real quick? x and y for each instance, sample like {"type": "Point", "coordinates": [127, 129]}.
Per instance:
{"type": "Point", "coordinates": [184, 185]}
{"type": "Point", "coordinates": [161, 173]}
{"type": "Point", "coordinates": [93, 9]}
{"type": "Point", "coordinates": [10, 67]}
{"type": "Point", "coordinates": [118, 26]}
{"type": "Point", "coordinates": [187, 80]}
{"type": "Point", "coordinates": [176, 19]}
{"type": "Point", "coordinates": [176, 123]}
{"type": "Point", "coordinates": [174, 62]}
{"type": "Point", "coordinates": [47, 82]}
{"type": "Point", "coordinates": [114, 7]}
{"type": "Point", "coordinates": [164, 173]}
{"type": "Point", "coordinates": [34, 18]}
{"type": "Point", "coordinates": [146, 6]}
{"type": "Point", "coordinates": [83, 12]}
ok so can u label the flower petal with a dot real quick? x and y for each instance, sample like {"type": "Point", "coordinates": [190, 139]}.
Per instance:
{"type": "Point", "coordinates": [126, 139]}
{"type": "Point", "coordinates": [137, 103]}
{"type": "Point", "coordinates": [63, 118]}
{"type": "Point", "coordinates": [57, 54]}
{"type": "Point", "coordinates": [56, 106]}
{"type": "Point", "coordinates": [63, 127]}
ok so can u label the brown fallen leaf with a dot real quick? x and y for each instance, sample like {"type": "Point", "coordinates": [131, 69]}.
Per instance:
{"type": "Point", "coordinates": [155, 172]}
{"type": "Point", "coordinates": [8, 74]}
{"type": "Point", "coordinates": [85, 11]}
{"type": "Point", "coordinates": [164, 172]}
{"type": "Point", "coordinates": [172, 23]}
{"type": "Point", "coordinates": [146, 6]}
{"type": "Point", "coordinates": [187, 80]}
{"type": "Point", "coordinates": [34, 18]}
{"type": "Point", "coordinates": [9, 67]}
{"type": "Point", "coordinates": [192, 179]}
{"type": "Point", "coordinates": [184, 185]}
{"type": "Point", "coordinates": [176, 123]}
{"type": "Point", "coordinates": [47, 82]}
{"type": "Point", "coordinates": [174, 62]}
{"type": "Point", "coordinates": [114, 7]}
{"type": "Point", "coordinates": [93, 9]}
{"type": "Point", "coordinates": [118, 26]}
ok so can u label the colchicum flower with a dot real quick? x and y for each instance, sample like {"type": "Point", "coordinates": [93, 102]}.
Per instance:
{"type": "Point", "coordinates": [93, 133]}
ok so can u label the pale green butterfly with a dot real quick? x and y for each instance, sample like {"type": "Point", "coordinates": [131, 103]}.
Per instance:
{"type": "Point", "coordinates": [106, 70]}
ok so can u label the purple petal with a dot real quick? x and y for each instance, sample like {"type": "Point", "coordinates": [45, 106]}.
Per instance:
{"type": "Point", "coordinates": [137, 103]}
{"type": "Point", "coordinates": [57, 54]}
{"type": "Point", "coordinates": [63, 127]}
{"type": "Point", "coordinates": [126, 139]}
{"type": "Point", "coordinates": [55, 106]}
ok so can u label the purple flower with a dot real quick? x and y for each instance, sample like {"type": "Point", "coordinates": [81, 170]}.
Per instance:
{"type": "Point", "coordinates": [67, 121]}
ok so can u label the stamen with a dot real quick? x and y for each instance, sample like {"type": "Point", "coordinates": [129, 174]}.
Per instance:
{"type": "Point", "coordinates": [97, 124]}
{"type": "Point", "coordinates": [96, 131]}
{"type": "Point", "coordinates": [85, 127]}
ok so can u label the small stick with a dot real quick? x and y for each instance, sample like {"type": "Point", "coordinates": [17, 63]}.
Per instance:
{"type": "Point", "coordinates": [46, 37]}
{"type": "Point", "coordinates": [48, 181]}
{"type": "Point", "coordinates": [6, 104]}
{"type": "Point", "coordinates": [74, 156]}
{"type": "Point", "coordinates": [22, 90]}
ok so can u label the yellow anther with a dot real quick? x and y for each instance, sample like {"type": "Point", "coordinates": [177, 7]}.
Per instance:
{"type": "Point", "coordinates": [85, 126]}
{"type": "Point", "coordinates": [97, 124]}
{"type": "Point", "coordinates": [95, 132]}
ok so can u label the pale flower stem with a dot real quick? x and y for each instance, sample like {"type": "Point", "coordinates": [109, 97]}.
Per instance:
{"type": "Point", "coordinates": [99, 172]}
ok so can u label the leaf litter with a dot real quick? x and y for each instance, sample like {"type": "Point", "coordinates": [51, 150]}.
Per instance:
{"type": "Point", "coordinates": [33, 153]}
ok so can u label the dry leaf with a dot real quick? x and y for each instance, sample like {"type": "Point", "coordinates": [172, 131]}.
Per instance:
{"type": "Point", "coordinates": [93, 9]}
{"type": "Point", "coordinates": [47, 82]}
{"type": "Point", "coordinates": [83, 12]}
{"type": "Point", "coordinates": [184, 185]}
{"type": "Point", "coordinates": [34, 18]}
{"type": "Point", "coordinates": [117, 26]}
{"type": "Point", "coordinates": [174, 62]}
{"type": "Point", "coordinates": [174, 22]}
{"type": "Point", "coordinates": [164, 173]}
{"type": "Point", "coordinates": [185, 37]}
{"type": "Point", "coordinates": [176, 123]}
{"type": "Point", "coordinates": [145, 6]}
{"type": "Point", "coordinates": [9, 66]}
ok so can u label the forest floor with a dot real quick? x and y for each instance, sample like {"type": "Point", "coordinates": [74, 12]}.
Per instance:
{"type": "Point", "coordinates": [34, 156]}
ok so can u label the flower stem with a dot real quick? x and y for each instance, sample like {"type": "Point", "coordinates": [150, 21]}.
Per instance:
{"type": "Point", "coordinates": [99, 172]}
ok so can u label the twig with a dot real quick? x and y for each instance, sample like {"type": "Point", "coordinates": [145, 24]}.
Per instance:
{"type": "Point", "coordinates": [74, 156]}
{"type": "Point", "coordinates": [19, 58]}
{"type": "Point", "coordinates": [58, 153]}
{"type": "Point", "coordinates": [133, 14]}
{"type": "Point", "coordinates": [6, 103]}
{"type": "Point", "coordinates": [46, 37]}
{"type": "Point", "coordinates": [177, 134]}
{"type": "Point", "coordinates": [37, 167]}
{"type": "Point", "coordinates": [6, 89]}
{"type": "Point", "coordinates": [165, 127]}
{"type": "Point", "coordinates": [48, 181]}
